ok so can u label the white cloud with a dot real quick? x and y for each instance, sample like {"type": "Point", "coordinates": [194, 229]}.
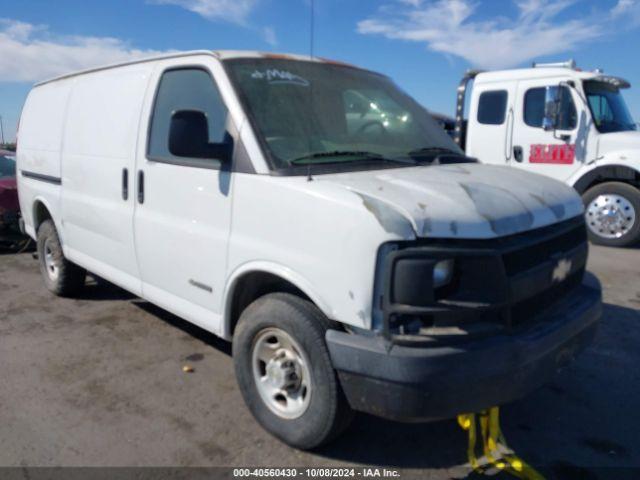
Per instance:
{"type": "Point", "coordinates": [270, 36]}
{"type": "Point", "coordinates": [29, 53]}
{"type": "Point", "coordinates": [452, 27]}
{"type": "Point", "coordinates": [235, 11]}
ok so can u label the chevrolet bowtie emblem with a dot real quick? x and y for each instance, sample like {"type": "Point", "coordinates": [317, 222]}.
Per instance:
{"type": "Point", "coordinates": [561, 271]}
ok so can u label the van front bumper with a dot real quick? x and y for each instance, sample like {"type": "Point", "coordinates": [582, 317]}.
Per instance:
{"type": "Point", "coordinates": [429, 383]}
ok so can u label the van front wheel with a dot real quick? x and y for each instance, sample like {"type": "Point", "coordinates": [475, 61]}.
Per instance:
{"type": "Point", "coordinates": [61, 277]}
{"type": "Point", "coordinates": [285, 373]}
{"type": "Point", "coordinates": [612, 213]}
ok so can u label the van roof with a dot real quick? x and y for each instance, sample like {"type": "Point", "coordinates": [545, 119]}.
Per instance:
{"type": "Point", "coordinates": [220, 54]}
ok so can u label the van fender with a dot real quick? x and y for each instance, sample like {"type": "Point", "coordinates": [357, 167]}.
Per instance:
{"type": "Point", "coordinates": [31, 228]}
{"type": "Point", "coordinates": [273, 268]}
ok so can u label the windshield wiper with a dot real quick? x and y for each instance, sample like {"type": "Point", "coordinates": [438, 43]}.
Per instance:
{"type": "Point", "coordinates": [365, 156]}
{"type": "Point", "coordinates": [440, 156]}
{"type": "Point", "coordinates": [433, 151]}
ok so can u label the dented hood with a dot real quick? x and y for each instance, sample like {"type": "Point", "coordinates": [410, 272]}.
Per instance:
{"type": "Point", "coordinates": [462, 200]}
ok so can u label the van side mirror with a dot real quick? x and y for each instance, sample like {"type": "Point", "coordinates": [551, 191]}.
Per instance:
{"type": "Point", "coordinates": [189, 137]}
{"type": "Point", "coordinates": [551, 108]}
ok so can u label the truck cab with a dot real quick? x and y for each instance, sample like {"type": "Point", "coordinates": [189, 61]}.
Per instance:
{"type": "Point", "coordinates": [569, 124]}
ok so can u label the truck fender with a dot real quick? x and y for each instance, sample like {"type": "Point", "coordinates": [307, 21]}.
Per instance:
{"type": "Point", "coordinates": [601, 173]}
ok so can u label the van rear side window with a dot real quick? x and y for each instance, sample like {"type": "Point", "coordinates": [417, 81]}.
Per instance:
{"type": "Point", "coordinates": [492, 107]}
{"type": "Point", "coordinates": [184, 89]}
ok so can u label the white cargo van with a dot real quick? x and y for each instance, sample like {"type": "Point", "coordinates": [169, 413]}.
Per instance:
{"type": "Point", "coordinates": [572, 125]}
{"type": "Point", "coordinates": [357, 261]}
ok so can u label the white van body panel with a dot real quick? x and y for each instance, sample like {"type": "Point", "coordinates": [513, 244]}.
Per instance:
{"type": "Point", "coordinates": [103, 118]}
{"type": "Point", "coordinates": [289, 223]}
{"type": "Point", "coordinates": [41, 129]}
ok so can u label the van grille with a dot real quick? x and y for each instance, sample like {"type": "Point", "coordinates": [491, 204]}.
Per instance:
{"type": "Point", "coordinates": [519, 277]}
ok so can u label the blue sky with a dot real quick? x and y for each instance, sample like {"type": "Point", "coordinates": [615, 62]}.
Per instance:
{"type": "Point", "coordinates": [425, 45]}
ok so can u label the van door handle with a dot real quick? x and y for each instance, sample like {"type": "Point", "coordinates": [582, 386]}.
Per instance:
{"type": "Point", "coordinates": [125, 184]}
{"type": "Point", "coordinates": [140, 186]}
{"type": "Point", "coordinates": [517, 153]}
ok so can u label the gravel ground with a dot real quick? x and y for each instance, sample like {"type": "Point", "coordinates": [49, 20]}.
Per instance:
{"type": "Point", "coordinates": [98, 381]}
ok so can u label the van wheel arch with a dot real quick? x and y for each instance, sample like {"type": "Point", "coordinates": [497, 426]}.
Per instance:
{"type": "Point", "coordinates": [607, 173]}
{"type": "Point", "coordinates": [41, 213]}
{"type": "Point", "coordinates": [253, 285]}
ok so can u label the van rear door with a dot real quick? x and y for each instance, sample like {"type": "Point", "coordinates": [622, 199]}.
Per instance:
{"type": "Point", "coordinates": [98, 163]}
{"type": "Point", "coordinates": [183, 212]}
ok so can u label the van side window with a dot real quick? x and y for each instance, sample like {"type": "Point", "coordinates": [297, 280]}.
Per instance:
{"type": "Point", "coordinates": [184, 89]}
{"type": "Point", "coordinates": [534, 109]}
{"type": "Point", "coordinates": [492, 107]}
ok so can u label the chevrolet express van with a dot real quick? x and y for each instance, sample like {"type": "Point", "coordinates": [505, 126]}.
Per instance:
{"type": "Point", "coordinates": [357, 262]}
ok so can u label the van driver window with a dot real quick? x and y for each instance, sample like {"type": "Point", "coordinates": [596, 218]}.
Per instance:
{"type": "Point", "coordinates": [185, 89]}
{"type": "Point", "coordinates": [534, 108]}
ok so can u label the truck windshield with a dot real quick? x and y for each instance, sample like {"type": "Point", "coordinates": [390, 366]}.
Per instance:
{"type": "Point", "coordinates": [608, 108]}
{"type": "Point", "coordinates": [334, 117]}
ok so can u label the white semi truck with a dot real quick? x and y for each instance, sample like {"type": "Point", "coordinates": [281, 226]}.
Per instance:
{"type": "Point", "coordinates": [569, 124]}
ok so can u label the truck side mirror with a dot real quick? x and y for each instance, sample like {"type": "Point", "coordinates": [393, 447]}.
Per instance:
{"type": "Point", "coordinates": [189, 137]}
{"type": "Point", "coordinates": [551, 108]}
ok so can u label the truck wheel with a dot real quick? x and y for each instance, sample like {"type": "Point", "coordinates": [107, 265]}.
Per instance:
{"type": "Point", "coordinates": [612, 213]}
{"type": "Point", "coordinates": [61, 277]}
{"type": "Point", "coordinates": [284, 371]}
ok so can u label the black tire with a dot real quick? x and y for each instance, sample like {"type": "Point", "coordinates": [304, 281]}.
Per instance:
{"type": "Point", "coordinates": [68, 278]}
{"type": "Point", "coordinates": [328, 412]}
{"type": "Point", "coordinates": [629, 193]}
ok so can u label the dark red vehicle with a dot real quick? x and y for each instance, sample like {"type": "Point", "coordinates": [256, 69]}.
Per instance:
{"type": "Point", "coordinates": [10, 235]}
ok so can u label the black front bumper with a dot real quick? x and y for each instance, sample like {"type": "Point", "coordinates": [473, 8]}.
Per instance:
{"type": "Point", "coordinates": [430, 383]}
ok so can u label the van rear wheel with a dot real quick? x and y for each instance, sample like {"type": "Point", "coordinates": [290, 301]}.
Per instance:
{"type": "Point", "coordinates": [285, 373]}
{"type": "Point", "coordinates": [612, 213]}
{"type": "Point", "coordinates": [61, 277]}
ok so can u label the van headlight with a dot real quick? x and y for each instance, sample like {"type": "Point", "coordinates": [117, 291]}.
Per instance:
{"type": "Point", "coordinates": [414, 279]}
{"type": "Point", "coordinates": [442, 273]}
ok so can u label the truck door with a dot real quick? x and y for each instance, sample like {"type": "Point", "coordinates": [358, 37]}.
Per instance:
{"type": "Point", "coordinates": [183, 205]}
{"type": "Point", "coordinates": [551, 153]}
{"type": "Point", "coordinates": [491, 122]}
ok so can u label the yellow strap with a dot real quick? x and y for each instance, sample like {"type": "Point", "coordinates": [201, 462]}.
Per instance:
{"type": "Point", "coordinates": [493, 443]}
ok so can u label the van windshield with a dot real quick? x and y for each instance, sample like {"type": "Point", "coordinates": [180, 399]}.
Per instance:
{"type": "Point", "coordinates": [334, 117]}
{"type": "Point", "coordinates": [608, 108]}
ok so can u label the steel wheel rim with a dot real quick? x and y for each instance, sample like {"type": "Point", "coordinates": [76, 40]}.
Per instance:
{"type": "Point", "coordinates": [50, 262]}
{"type": "Point", "coordinates": [610, 215]}
{"type": "Point", "coordinates": [281, 373]}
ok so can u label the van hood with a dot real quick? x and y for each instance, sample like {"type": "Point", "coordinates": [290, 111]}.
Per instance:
{"type": "Point", "coordinates": [462, 200]}
{"type": "Point", "coordinates": [621, 142]}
